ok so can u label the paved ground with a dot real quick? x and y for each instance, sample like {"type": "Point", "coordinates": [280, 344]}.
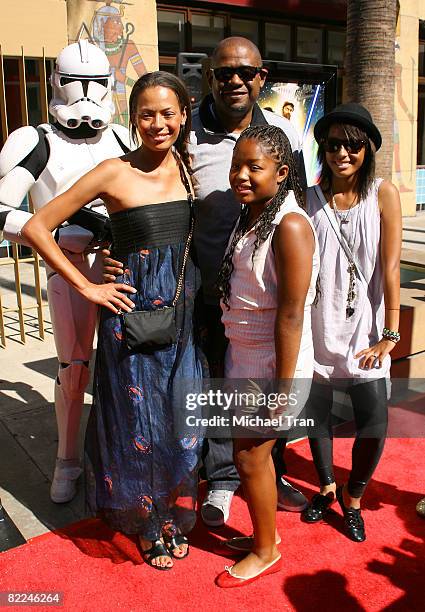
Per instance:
{"type": "Point", "coordinates": [414, 239]}
{"type": "Point", "coordinates": [27, 423]}
{"type": "Point", "coordinates": [28, 435]}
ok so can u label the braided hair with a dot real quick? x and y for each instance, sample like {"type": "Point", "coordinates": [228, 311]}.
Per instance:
{"type": "Point", "coordinates": [160, 78]}
{"type": "Point", "coordinates": [275, 143]}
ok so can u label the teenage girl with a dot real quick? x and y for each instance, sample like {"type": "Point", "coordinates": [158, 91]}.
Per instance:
{"type": "Point", "coordinates": [355, 325]}
{"type": "Point", "coordinates": [268, 283]}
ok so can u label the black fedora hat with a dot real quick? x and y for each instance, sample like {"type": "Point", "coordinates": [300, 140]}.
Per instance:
{"type": "Point", "coordinates": [353, 114]}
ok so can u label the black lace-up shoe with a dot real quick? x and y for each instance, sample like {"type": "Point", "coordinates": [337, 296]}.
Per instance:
{"type": "Point", "coordinates": [317, 508]}
{"type": "Point", "coordinates": [353, 522]}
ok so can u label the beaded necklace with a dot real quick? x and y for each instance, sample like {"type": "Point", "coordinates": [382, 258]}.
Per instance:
{"type": "Point", "coordinates": [351, 293]}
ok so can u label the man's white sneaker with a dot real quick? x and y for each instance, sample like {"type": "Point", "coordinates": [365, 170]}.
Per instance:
{"type": "Point", "coordinates": [64, 483]}
{"type": "Point", "coordinates": [216, 507]}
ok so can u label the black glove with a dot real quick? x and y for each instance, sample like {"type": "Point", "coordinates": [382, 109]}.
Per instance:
{"type": "Point", "coordinates": [3, 216]}
{"type": "Point", "coordinates": [96, 223]}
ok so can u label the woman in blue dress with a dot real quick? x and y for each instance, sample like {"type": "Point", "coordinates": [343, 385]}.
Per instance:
{"type": "Point", "coordinates": [141, 477]}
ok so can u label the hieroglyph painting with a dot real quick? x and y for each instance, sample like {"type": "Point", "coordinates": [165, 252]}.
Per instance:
{"type": "Point", "coordinates": [113, 26]}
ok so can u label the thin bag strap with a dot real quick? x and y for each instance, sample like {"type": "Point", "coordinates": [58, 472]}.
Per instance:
{"type": "Point", "coordinates": [343, 242]}
{"type": "Point", "coordinates": [190, 198]}
{"type": "Point", "coordinates": [185, 256]}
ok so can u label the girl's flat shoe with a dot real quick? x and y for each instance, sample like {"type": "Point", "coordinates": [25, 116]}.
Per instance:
{"type": "Point", "coordinates": [228, 580]}
{"type": "Point", "coordinates": [157, 550]}
{"type": "Point", "coordinates": [175, 542]}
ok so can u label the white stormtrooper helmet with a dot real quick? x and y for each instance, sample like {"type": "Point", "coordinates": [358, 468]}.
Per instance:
{"type": "Point", "coordinates": [81, 85]}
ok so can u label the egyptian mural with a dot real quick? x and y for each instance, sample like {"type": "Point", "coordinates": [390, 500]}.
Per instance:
{"type": "Point", "coordinates": [126, 32]}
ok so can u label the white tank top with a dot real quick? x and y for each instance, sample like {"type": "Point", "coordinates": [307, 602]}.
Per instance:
{"type": "Point", "coordinates": [338, 338]}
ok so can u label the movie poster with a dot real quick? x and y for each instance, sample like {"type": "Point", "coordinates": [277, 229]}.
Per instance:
{"type": "Point", "coordinates": [308, 102]}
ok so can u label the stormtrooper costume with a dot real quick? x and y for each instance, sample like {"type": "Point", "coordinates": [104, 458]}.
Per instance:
{"type": "Point", "coordinates": [43, 162]}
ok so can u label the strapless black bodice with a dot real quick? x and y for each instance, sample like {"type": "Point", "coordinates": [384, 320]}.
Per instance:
{"type": "Point", "coordinates": [150, 226]}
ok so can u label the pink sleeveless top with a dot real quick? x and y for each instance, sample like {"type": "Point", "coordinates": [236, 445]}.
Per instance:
{"type": "Point", "coordinates": [249, 323]}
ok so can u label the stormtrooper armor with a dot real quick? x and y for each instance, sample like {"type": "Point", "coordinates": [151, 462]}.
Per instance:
{"type": "Point", "coordinates": [82, 87]}
{"type": "Point", "coordinates": [43, 162]}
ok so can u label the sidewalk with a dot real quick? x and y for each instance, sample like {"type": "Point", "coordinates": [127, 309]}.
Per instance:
{"type": "Point", "coordinates": [413, 247]}
{"type": "Point", "coordinates": [28, 437]}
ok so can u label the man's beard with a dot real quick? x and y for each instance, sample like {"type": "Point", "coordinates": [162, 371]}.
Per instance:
{"type": "Point", "coordinates": [238, 111]}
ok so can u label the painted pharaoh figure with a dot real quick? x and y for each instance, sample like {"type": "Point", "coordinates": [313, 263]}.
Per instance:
{"type": "Point", "coordinates": [44, 162]}
{"type": "Point", "coordinates": [110, 34]}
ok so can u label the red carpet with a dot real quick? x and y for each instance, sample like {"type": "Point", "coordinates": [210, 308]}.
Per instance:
{"type": "Point", "coordinates": [98, 569]}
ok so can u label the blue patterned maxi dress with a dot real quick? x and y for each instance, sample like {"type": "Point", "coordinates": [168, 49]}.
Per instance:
{"type": "Point", "coordinates": [141, 478]}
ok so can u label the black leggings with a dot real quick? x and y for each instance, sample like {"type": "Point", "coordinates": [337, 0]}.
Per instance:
{"type": "Point", "coordinates": [369, 402]}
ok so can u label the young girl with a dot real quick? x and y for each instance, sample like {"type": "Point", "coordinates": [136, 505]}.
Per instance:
{"type": "Point", "coordinates": [140, 477]}
{"type": "Point", "coordinates": [268, 283]}
{"type": "Point", "coordinates": [355, 325]}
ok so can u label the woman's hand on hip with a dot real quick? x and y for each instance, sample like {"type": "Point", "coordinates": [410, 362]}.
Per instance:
{"type": "Point", "coordinates": [110, 295]}
{"type": "Point", "coordinates": [375, 355]}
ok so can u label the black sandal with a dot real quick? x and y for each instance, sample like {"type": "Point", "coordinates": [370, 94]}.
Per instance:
{"type": "Point", "coordinates": [157, 550]}
{"type": "Point", "coordinates": [175, 542]}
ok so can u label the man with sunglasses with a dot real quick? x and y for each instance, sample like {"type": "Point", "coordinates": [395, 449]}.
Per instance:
{"type": "Point", "coordinates": [236, 77]}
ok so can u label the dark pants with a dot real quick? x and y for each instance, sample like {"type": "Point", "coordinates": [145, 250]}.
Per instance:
{"type": "Point", "coordinates": [369, 402]}
{"type": "Point", "coordinates": [220, 471]}
{"type": "Point", "coordinates": [278, 460]}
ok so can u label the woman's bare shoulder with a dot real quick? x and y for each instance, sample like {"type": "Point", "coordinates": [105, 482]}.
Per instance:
{"type": "Point", "coordinates": [294, 222]}
{"type": "Point", "coordinates": [111, 171]}
{"type": "Point", "coordinates": [293, 230]}
{"type": "Point", "coordinates": [388, 198]}
{"type": "Point", "coordinates": [112, 165]}
{"type": "Point", "coordinates": [387, 188]}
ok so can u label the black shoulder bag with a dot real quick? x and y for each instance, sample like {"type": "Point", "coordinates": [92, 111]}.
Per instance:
{"type": "Point", "coordinates": [151, 330]}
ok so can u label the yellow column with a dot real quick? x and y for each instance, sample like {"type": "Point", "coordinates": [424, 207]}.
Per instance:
{"type": "Point", "coordinates": [406, 104]}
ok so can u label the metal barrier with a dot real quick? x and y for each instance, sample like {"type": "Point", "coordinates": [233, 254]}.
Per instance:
{"type": "Point", "coordinates": [21, 307]}
{"type": "Point", "coordinates": [15, 259]}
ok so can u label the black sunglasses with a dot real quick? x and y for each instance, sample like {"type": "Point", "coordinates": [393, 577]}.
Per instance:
{"type": "Point", "coordinates": [334, 145]}
{"type": "Point", "coordinates": [245, 73]}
